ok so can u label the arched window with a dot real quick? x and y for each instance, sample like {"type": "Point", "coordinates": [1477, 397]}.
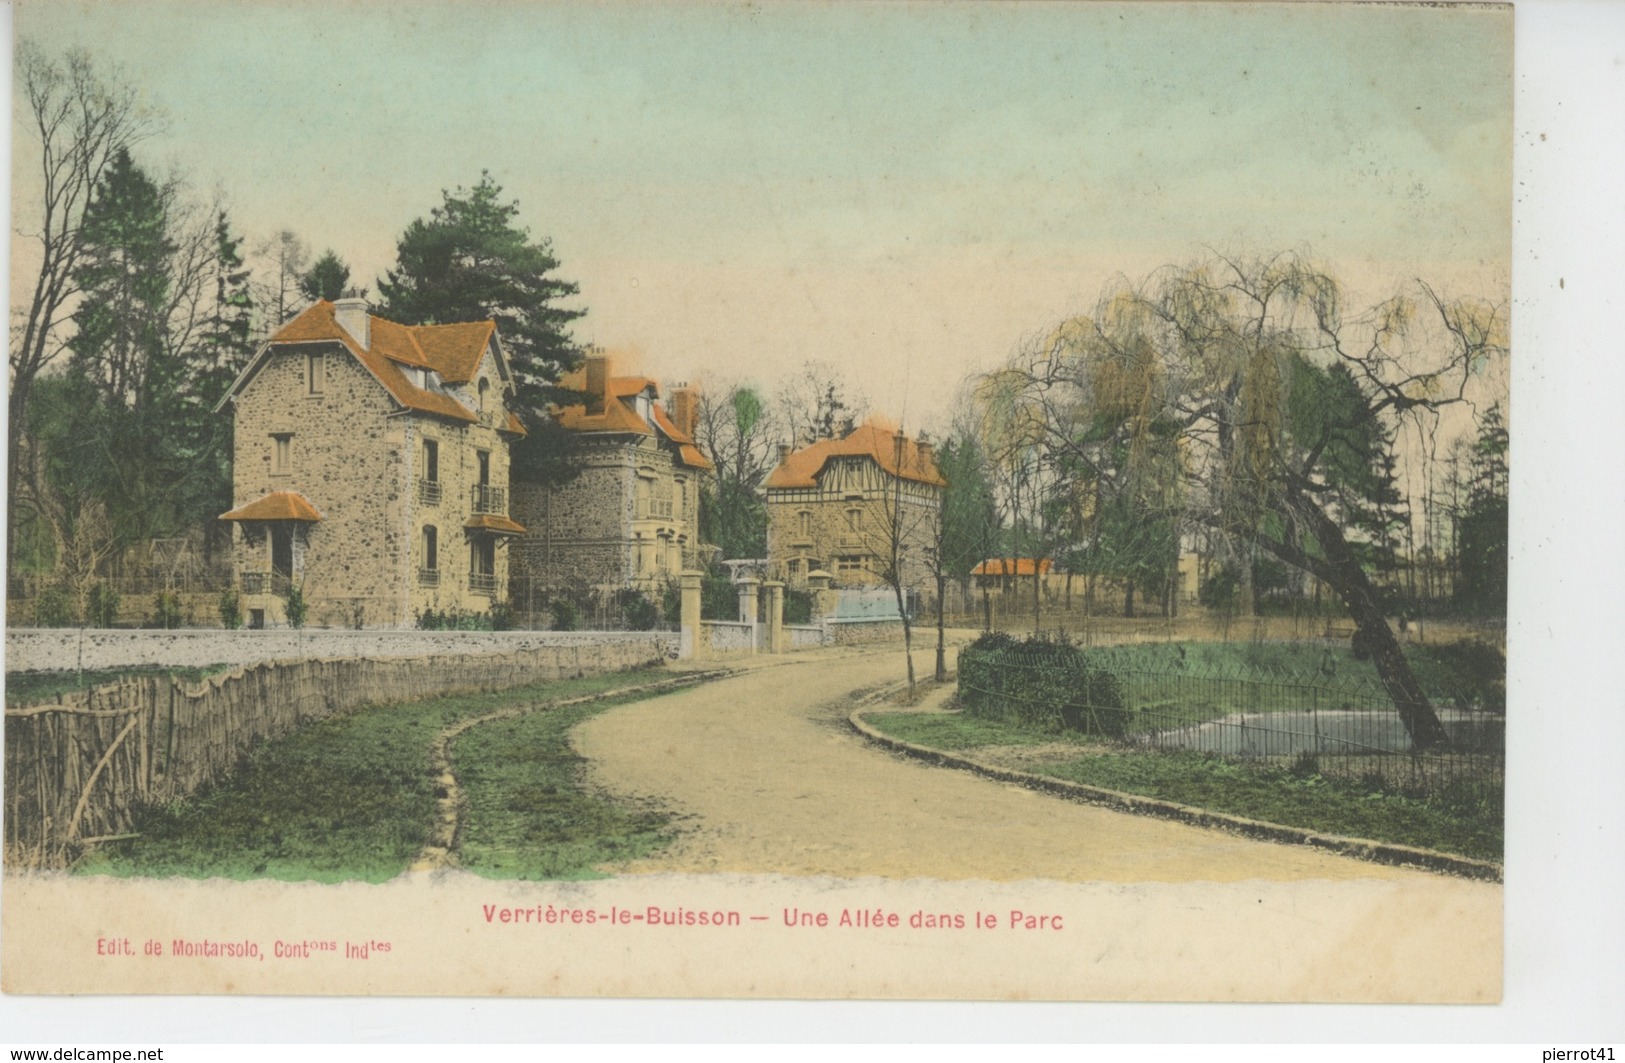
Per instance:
{"type": "Point", "coordinates": [485, 387]}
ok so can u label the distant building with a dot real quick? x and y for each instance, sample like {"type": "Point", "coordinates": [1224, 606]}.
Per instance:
{"type": "Point", "coordinates": [630, 517]}
{"type": "Point", "coordinates": [837, 505]}
{"type": "Point", "coordinates": [1001, 573]}
{"type": "Point", "coordinates": [370, 469]}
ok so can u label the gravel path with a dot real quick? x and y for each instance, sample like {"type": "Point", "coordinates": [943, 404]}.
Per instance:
{"type": "Point", "coordinates": [768, 778]}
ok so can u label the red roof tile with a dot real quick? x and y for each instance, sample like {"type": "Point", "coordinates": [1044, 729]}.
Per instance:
{"type": "Point", "coordinates": [278, 505]}
{"type": "Point", "coordinates": [453, 351]}
{"type": "Point", "coordinates": [621, 415]}
{"type": "Point", "coordinates": [1013, 566]}
{"type": "Point", "coordinates": [492, 522]}
{"type": "Point", "coordinates": [870, 440]}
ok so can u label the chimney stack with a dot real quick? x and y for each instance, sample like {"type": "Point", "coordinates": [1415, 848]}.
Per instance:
{"type": "Point", "coordinates": [354, 316]}
{"type": "Point", "coordinates": [597, 382]}
{"type": "Point", "coordinates": [685, 409]}
{"type": "Point", "coordinates": [928, 457]}
{"type": "Point", "coordinates": [784, 453]}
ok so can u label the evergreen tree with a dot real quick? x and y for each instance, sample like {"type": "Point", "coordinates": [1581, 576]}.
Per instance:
{"type": "Point", "coordinates": [1484, 521]}
{"type": "Point", "coordinates": [326, 279]}
{"type": "Point", "coordinates": [142, 442]}
{"type": "Point", "coordinates": [470, 260]}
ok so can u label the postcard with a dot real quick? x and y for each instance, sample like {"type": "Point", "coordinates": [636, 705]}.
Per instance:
{"type": "Point", "coordinates": [917, 501]}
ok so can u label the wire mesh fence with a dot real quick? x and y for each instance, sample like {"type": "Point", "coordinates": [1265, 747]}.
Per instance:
{"type": "Point", "coordinates": [1335, 728]}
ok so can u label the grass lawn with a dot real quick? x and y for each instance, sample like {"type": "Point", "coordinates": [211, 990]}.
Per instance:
{"type": "Point", "coordinates": [28, 688]}
{"type": "Point", "coordinates": [350, 798]}
{"type": "Point", "coordinates": [527, 812]}
{"type": "Point", "coordinates": [1447, 671]}
{"type": "Point", "coordinates": [1465, 824]}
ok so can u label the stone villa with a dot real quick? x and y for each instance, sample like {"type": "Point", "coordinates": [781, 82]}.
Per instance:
{"type": "Point", "coordinates": [630, 517]}
{"type": "Point", "coordinates": [831, 505]}
{"type": "Point", "coordinates": [371, 469]}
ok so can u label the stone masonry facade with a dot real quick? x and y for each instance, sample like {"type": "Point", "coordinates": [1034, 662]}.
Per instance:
{"type": "Point", "coordinates": [838, 505]}
{"type": "Point", "coordinates": [379, 500]}
{"type": "Point", "coordinates": [630, 517]}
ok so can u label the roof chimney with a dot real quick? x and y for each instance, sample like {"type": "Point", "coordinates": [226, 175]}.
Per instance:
{"type": "Point", "coordinates": [784, 453]}
{"type": "Point", "coordinates": [927, 459]}
{"type": "Point", "coordinates": [685, 409]}
{"type": "Point", "coordinates": [597, 382]}
{"type": "Point", "coordinates": [354, 317]}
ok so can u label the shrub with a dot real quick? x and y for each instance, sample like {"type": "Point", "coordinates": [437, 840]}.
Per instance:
{"type": "Point", "coordinates": [1048, 683]}
{"type": "Point", "coordinates": [104, 604]}
{"type": "Point", "coordinates": [638, 612]}
{"type": "Point", "coordinates": [231, 609]}
{"type": "Point", "coordinates": [798, 607]}
{"type": "Point", "coordinates": [166, 611]}
{"type": "Point", "coordinates": [671, 602]}
{"type": "Point", "coordinates": [563, 613]}
{"type": "Point", "coordinates": [503, 616]}
{"type": "Point", "coordinates": [53, 607]}
{"type": "Point", "coordinates": [298, 610]}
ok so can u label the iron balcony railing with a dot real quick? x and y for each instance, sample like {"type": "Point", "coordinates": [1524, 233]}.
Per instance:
{"type": "Point", "coordinates": [429, 492]}
{"type": "Point", "coordinates": [656, 509]}
{"type": "Point", "coordinates": [266, 583]}
{"type": "Point", "coordinates": [429, 577]}
{"type": "Point", "coordinates": [488, 499]}
{"type": "Point", "coordinates": [482, 583]}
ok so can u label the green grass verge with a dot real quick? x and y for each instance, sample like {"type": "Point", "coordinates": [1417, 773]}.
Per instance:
{"type": "Point", "coordinates": [1447, 671]}
{"type": "Point", "coordinates": [29, 688]}
{"type": "Point", "coordinates": [1465, 822]}
{"type": "Point", "coordinates": [351, 798]}
{"type": "Point", "coordinates": [527, 811]}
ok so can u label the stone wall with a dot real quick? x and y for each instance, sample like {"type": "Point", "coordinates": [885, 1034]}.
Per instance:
{"type": "Point", "coordinates": [50, 649]}
{"type": "Point", "coordinates": [726, 636]}
{"type": "Point", "coordinates": [858, 632]}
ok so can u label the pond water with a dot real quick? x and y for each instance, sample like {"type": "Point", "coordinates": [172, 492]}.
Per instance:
{"type": "Point", "coordinates": [1279, 734]}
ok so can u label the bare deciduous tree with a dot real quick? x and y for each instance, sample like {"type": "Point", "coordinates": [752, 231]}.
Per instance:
{"type": "Point", "coordinates": [79, 118]}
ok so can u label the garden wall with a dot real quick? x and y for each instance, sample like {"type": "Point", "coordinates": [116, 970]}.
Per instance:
{"type": "Point", "coordinates": [55, 649]}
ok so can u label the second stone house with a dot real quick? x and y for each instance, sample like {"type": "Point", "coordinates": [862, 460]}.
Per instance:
{"type": "Point", "coordinates": [370, 469]}
{"type": "Point", "coordinates": [629, 517]}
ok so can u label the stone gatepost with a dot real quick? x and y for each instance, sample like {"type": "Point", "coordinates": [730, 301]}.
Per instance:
{"type": "Point", "coordinates": [747, 607]}
{"type": "Point", "coordinates": [776, 641]}
{"type": "Point", "coordinates": [825, 597]}
{"type": "Point", "coordinates": [691, 642]}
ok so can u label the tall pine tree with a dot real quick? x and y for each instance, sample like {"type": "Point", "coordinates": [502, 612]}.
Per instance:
{"type": "Point", "coordinates": [470, 260]}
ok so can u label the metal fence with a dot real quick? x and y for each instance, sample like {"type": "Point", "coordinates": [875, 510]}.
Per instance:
{"type": "Point", "coordinates": [1310, 725]}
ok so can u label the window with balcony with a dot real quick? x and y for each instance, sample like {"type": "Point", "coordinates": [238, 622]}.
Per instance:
{"type": "Point", "coordinates": [429, 558]}
{"type": "Point", "coordinates": [482, 566]}
{"type": "Point", "coordinates": [429, 474]}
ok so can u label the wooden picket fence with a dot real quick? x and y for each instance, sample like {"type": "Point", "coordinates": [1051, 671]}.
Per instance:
{"type": "Point", "coordinates": [78, 769]}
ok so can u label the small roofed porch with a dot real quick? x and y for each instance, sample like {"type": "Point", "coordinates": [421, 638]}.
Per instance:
{"type": "Point", "coordinates": [270, 554]}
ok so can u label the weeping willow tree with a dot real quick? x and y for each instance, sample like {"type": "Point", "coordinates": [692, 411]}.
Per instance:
{"type": "Point", "coordinates": [1242, 396]}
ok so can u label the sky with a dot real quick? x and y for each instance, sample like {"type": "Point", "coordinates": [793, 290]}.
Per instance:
{"type": "Point", "coordinates": [902, 190]}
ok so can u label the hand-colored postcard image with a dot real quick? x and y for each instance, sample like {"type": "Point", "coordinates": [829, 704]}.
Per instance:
{"type": "Point", "coordinates": [937, 501]}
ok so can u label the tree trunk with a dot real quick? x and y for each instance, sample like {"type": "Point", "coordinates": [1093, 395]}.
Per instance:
{"type": "Point", "coordinates": [942, 652]}
{"type": "Point", "coordinates": [1349, 580]}
{"type": "Point", "coordinates": [1128, 599]}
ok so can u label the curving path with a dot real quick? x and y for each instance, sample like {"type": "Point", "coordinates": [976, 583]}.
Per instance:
{"type": "Point", "coordinates": [770, 779]}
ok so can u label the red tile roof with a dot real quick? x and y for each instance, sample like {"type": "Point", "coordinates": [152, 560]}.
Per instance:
{"type": "Point", "coordinates": [870, 440]}
{"type": "Point", "coordinates": [621, 415]}
{"type": "Point", "coordinates": [278, 505]}
{"type": "Point", "coordinates": [1013, 566]}
{"type": "Point", "coordinates": [453, 351]}
{"type": "Point", "coordinates": [493, 522]}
